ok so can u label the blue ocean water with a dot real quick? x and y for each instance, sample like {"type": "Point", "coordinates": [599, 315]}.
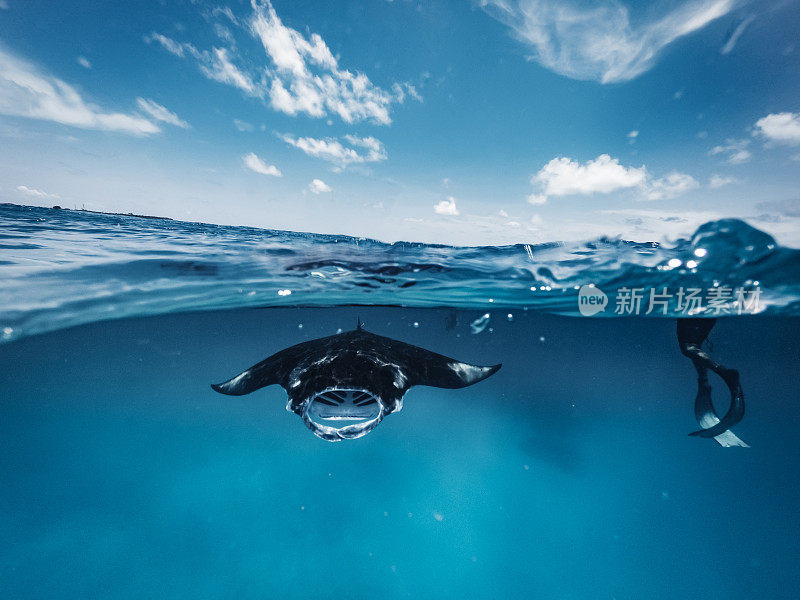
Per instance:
{"type": "Point", "coordinates": [568, 474]}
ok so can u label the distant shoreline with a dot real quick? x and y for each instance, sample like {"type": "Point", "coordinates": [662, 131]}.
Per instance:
{"type": "Point", "coordinates": [100, 212]}
{"type": "Point", "coordinates": [86, 210]}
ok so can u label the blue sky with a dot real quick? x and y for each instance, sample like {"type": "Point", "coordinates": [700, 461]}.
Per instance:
{"type": "Point", "coordinates": [495, 121]}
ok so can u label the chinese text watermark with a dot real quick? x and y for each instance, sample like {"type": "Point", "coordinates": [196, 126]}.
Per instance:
{"type": "Point", "coordinates": [717, 300]}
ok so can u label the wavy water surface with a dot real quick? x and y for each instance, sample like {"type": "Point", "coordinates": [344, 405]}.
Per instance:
{"type": "Point", "coordinates": [60, 268]}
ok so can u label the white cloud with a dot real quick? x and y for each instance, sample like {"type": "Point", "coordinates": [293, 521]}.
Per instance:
{"type": "Point", "coordinates": [3, 5]}
{"type": "Point", "coordinates": [225, 11]}
{"type": "Point", "coordinates": [730, 43]}
{"type": "Point", "coordinates": [780, 128]}
{"type": "Point", "coordinates": [84, 62]}
{"type": "Point", "coordinates": [160, 113]}
{"type": "Point", "coordinates": [171, 45]}
{"type": "Point", "coordinates": [334, 151]}
{"type": "Point", "coordinates": [243, 125]}
{"type": "Point", "coordinates": [536, 199]}
{"type": "Point", "coordinates": [446, 207]}
{"type": "Point", "coordinates": [318, 187]}
{"type": "Point", "coordinates": [632, 135]}
{"type": "Point", "coordinates": [564, 176]}
{"type": "Point", "coordinates": [27, 92]}
{"type": "Point", "coordinates": [403, 90]}
{"type": "Point", "coordinates": [224, 33]}
{"type": "Point", "coordinates": [671, 186]}
{"type": "Point", "coordinates": [255, 164]}
{"type": "Point", "coordinates": [301, 75]}
{"type": "Point", "coordinates": [599, 42]}
{"type": "Point", "coordinates": [220, 68]}
{"type": "Point", "coordinates": [215, 64]}
{"type": "Point", "coordinates": [24, 189]}
{"type": "Point", "coordinates": [305, 77]}
{"type": "Point", "coordinates": [734, 151]}
{"type": "Point", "coordinates": [718, 181]}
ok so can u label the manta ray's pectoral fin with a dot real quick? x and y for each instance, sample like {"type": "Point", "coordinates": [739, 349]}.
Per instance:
{"type": "Point", "coordinates": [691, 335]}
{"type": "Point", "coordinates": [457, 374]}
{"type": "Point", "coordinates": [269, 371]}
{"type": "Point", "coordinates": [440, 371]}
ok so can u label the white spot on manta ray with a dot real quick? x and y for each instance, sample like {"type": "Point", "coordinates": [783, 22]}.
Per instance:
{"type": "Point", "coordinates": [400, 378]}
{"type": "Point", "coordinates": [238, 379]}
{"type": "Point", "coordinates": [468, 373]}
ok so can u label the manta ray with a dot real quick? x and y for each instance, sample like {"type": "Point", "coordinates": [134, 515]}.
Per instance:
{"type": "Point", "coordinates": [343, 385]}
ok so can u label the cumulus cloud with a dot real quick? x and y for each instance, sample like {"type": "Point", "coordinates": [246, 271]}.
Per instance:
{"type": "Point", "coordinates": [733, 151]}
{"type": "Point", "coordinates": [318, 187]}
{"type": "Point", "coordinates": [536, 199]}
{"type": "Point", "coordinates": [160, 113]}
{"type": "Point", "coordinates": [567, 177]}
{"type": "Point", "coordinates": [780, 128]}
{"type": "Point", "coordinates": [255, 164]}
{"type": "Point", "coordinates": [355, 150]}
{"type": "Point", "coordinates": [718, 181]}
{"type": "Point", "coordinates": [671, 186]}
{"type": "Point", "coordinates": [564, 176]}
{"type": "Point", "coordinates": [599, 42]}
{"type": "Point", "coordinates": [446, 207]}
{"type": "Point", "coordinates": [301, 75]}
{"type": "Point", "coordinates": [304, 75]}
{"type": "Point", "coordinates": [24, 189]}
{"type": "Point", "coordinates": [84, 62]}
{"type": "Point", "coordinates": [25, 91]}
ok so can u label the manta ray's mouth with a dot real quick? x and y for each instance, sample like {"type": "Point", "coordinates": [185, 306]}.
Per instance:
{"type": "Point", "coordinates": [342, 414]}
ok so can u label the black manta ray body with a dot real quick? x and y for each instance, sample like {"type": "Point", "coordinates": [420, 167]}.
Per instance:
{"type": "Point", "coordinates": [342, 386]}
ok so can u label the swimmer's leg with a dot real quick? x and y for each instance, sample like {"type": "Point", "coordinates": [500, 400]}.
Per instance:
{"type": "Point", "coordinates": [691, 334]}
{"type": "Point", "coordinates": [706, 415]}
